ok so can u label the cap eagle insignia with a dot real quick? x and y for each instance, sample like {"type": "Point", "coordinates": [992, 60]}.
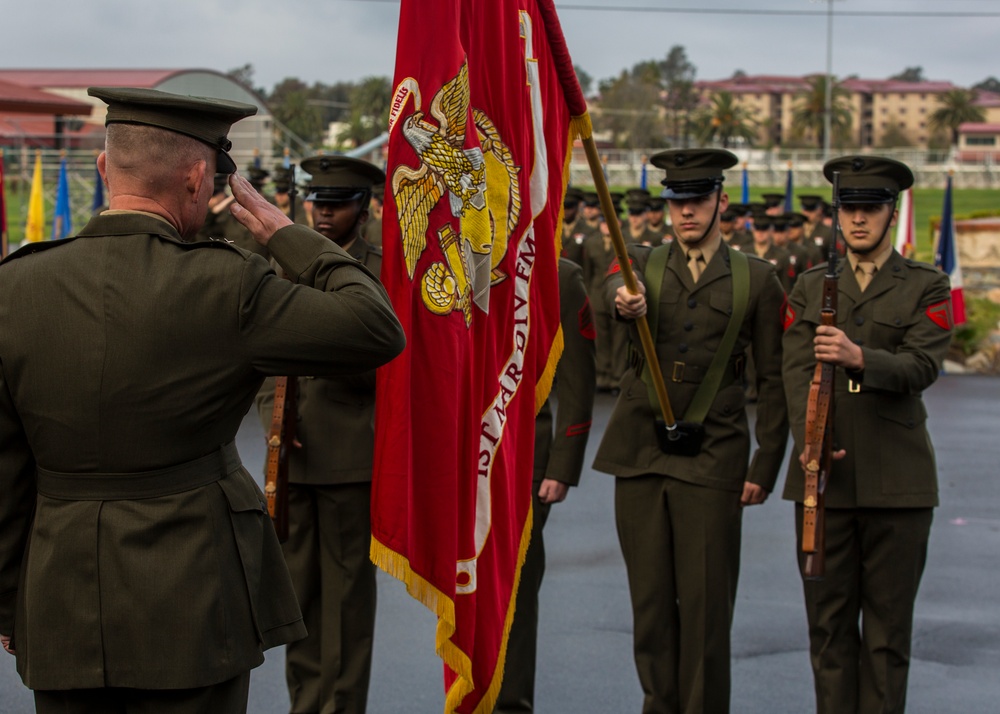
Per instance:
{"type": "Point", "coordinates": [461, 175]}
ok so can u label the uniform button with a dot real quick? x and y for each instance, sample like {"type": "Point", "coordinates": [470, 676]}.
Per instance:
{"type": "Point", "coordinates": [897, 321]}
{"type": "Point", "coordinates": [859, 321]}
{"type": "Point", "coordinates": [859, 343]}
{"type": "Point", "coordinates": [692, 302]}
{"type": "Point", "coordinates": [688, 326]}
{"type": "Point", "coordinates": [896, 268]}
{"type": "Point", "coordinates": [682, 348]}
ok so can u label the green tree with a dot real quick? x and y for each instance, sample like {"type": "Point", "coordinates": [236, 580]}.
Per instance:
{"type": "Point", "coordinates": [990, 84]}
{"type": "Point", "coordinates": [677, 77]}
{"type": "Point", "coordinates": [910, 74]}
{"type": "Point", "coordinates": [369, 112]}
{"type": "Point", "coordinates": [291, 105]}
{"type": "Point", "coordinates": [725, 120]}
{"type": "Point", "coordinates": [958, 106]}
{"type": "Point", "coordinates": [894, 137]}
{"type": "Point", "coordinates": [810, 109]}
{"type": "Point", "coordinates": [244, 75]}
{"type": "Point", "coordinates": [629, 109]}
{"type": "Point", "coordinates": [585, 80]}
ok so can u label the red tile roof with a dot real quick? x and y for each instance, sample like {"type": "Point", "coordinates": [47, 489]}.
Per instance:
{"type": "Point", "coordinates": [21, 99]}
{"type": "Point", "coordinates": [82, 78]}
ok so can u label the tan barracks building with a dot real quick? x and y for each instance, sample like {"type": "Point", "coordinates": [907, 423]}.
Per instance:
{"type": "Point", "coordinates": [880, 108]}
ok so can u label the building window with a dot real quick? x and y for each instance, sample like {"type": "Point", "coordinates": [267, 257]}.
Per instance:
{"type": "Point", "coordinates": [980, 141]}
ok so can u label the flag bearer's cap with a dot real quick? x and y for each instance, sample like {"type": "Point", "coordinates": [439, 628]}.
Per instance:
{"type": "Point", "coordinates": [340, 178]}
{"type": "Point", "coordinates": [692, 173]}
{"type": "Point", "coordinates": [207, 120]}
{"type": "Point", "coordinates": [869, 179]}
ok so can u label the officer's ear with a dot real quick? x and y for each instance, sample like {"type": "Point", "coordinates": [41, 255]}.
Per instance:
{"type": "Point", "coordinates": [194, 181]}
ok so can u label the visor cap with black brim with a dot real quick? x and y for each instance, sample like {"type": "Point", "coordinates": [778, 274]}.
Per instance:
{"type": "Point", "coordinates": [336, 179]}
{"type": "Point", "coordinates": [869, 179]}
{"type": "Point", "coordinates": [811, 202]}
{"type": "Point", "coordinates": [205, 119]}
{"type": "Point", "coordinates": [692, 173]}
{"type": "Point", "coordinates": [773, 200]}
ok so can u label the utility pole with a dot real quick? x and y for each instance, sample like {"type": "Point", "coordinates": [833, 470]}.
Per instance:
{"type": "Point", "coordinates": [828, 107]}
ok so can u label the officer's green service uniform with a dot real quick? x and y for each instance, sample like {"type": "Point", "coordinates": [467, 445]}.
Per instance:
{"type": "Point", "coordinates": [136, 554]}
{"type": "Point", "coordinates": [329, 497]}
{"type": "Point", "coordinates": [880, 496]}
{"type": "Point", "coordinates": [679, 517]}
{"type": "Point", "coordinates": [560, 443]}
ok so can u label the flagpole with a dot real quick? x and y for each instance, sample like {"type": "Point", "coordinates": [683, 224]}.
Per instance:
{"type": "Point", "coordinates": [3, 211]}
{"type": "Point", "coordinates": [645, 336]}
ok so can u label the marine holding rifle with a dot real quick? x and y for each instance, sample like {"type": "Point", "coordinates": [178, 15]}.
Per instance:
{"type": "Point", "coordinates": [138, 568]}
{"type": "Point", "coordinates": [329, 480]}
{"type": "Point", "coordinates": [679, 492]}
{"type": "Point", "coordinates": [890, 334]}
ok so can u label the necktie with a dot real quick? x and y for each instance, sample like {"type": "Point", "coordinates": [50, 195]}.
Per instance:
{"type": "Point", "coordinates": [864, 273]}
{"type": "Point", "coordinates": [695, 263]}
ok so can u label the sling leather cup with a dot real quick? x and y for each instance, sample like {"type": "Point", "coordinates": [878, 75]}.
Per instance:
{"type": "Point", "coordinates": [685, 440]}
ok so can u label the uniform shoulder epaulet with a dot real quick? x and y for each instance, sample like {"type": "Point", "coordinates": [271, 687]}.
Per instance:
{"type": "Point", "coordinates": [921, 265]}
{"type": "Point", "coordinates": [217, 244]}
{"type": "Point", "coordinates": [32, 248]}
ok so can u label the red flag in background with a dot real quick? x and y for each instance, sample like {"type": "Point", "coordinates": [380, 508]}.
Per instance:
{"type": "Point", "coordinates": [481, 128]}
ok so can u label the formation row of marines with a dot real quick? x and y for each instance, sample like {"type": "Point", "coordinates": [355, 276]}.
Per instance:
{"type": "Point", "coordinates": [139, 568]}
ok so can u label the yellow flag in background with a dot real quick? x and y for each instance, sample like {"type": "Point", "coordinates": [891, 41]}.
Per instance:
{"type": "Point", "coordinates": [33, 231]}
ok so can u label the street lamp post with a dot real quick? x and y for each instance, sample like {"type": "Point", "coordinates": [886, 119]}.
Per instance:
{"type": "Point", "coordinates": [828, 107]}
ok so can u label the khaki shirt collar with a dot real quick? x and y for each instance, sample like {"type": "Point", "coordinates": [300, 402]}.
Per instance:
{"type": "Point", "coordinates": [708, 249]}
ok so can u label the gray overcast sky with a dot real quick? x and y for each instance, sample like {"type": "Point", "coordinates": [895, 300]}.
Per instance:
{"type": "Point", "coordinates": [333, 40]}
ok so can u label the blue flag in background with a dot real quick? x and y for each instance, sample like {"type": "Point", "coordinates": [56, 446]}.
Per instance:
{"type": "Point", "coordinates": [788, 190]}
{"type": "Point", "coordinates": [62, 220]}
{"type": "Point", "coordinates": [946, 258]}
{"type": "Point", "coordinates": [643, 179]}
{"type": "Point", "coordinates": [98, 203]}
{"type": "Point", "coordinates": [745, 198]}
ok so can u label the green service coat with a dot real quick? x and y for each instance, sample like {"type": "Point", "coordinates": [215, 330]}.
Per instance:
{"type": "Point", "coordinates": [692, 320]}
{"type": "Point", "coordinates": [124, 351]}
{"type": "Point", "coordinates": [902, 328]}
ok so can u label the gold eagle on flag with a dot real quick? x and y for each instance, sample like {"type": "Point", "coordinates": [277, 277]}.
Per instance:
{"type": "Point", "coordinates": [486, 217]}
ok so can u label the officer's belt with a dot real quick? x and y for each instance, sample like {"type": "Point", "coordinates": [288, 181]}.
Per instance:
{"type": "Point", "coordinates": [140, 484]}
{"type": "Point", "coordinates": [694, 374]}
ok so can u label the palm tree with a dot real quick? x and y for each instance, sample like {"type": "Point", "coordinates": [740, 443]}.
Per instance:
{"type": "Point", "coordinates": [957, 107]}
{"type": "Point", "coordinates": [724, 121]}
{"type": "Point", "coordinates": [810, 109]}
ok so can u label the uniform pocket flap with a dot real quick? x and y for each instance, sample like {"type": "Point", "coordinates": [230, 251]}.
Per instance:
{"type": "Point", "coordinates": [893, 315]}
{"type": "Point", "coordinates": [906, 411]}
{"type": "Point", "coordinates": [721, 301]}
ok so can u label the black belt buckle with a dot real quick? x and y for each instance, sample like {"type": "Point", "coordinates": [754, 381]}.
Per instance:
{"type": "Point", "coordinates": [684, 439]}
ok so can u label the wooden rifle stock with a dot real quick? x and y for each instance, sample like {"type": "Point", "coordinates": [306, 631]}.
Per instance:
{"type": "Point", "coordinates": [281, 435]}
{"type": "Point", "coordinates": [818, 451]}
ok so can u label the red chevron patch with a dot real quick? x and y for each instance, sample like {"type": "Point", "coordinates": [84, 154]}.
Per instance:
{"type": "Point", "coordinates": [787, 313]}
{"type": "Point", "coordinates": [940, 314]}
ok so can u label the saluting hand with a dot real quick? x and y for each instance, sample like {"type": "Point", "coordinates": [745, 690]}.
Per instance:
{"type": "Point", "coordinates": [262, 218]}
{"type": "Point", "coordinates": [832, 346]}
{"type": "Point", "coordinates": [629, 304]}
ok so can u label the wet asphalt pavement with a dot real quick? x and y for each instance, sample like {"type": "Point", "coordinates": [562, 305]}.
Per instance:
{"type": "Point", "coordinates": [585, 657]}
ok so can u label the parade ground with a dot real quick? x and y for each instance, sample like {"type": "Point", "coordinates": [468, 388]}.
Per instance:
{"type": "Point", "coordinates": [585, 642]}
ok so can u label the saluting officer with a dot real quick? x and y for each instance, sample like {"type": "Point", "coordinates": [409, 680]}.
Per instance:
{"type": "Point", "coordinates": [893, 331]}
{"type": "Point", "coordinates": [329, 481]}
{"type": "Point", "coordinates": [679, 516]}
{"type": "Point", "coordinates": [130, 354]}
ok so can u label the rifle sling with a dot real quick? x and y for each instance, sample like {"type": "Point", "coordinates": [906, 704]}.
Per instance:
{"type": "Point", "coordinates": [274, 439]}
{"type": "Point", "coordinates": [817, 416]}
{"type": "Point", "coordinates": [655, 267]}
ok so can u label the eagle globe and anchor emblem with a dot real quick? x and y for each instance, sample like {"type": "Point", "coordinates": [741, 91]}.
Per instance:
{"type": "Point", "coordinates": [486, 218]}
